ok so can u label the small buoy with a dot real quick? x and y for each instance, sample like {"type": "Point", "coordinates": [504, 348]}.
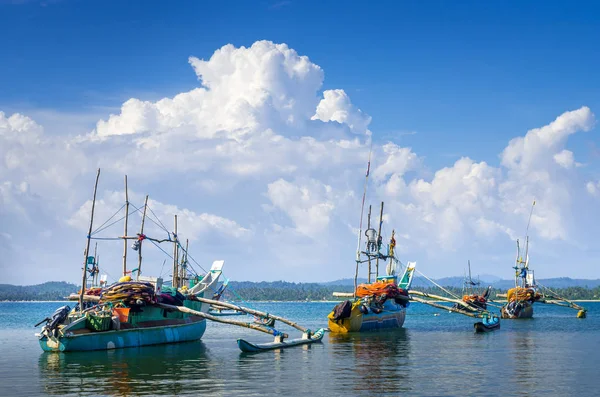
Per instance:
{"type": "Point", "coordinates": [581, 314]}
{"type": "Point", "coordinates": [436, 314]}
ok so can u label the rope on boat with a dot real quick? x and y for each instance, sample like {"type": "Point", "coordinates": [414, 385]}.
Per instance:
{"type": "Point", "coordinates": [437, 285]}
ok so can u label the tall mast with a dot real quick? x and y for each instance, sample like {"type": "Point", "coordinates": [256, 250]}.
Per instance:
{"type": "Point", "coordinates": [368, 255]}
{"type": "Point", "coordinates": [141, 239]}
{"type": "Point", "coordinates": [126, 219]}
{"type": "Point", "coordinates": [87, 247]}
{"type": "Point", "coordinates": [362, 209]}
{"type": "Point", "coordinates": [378, 239]}
{"type": "Point", "coordinates": [175, 282]}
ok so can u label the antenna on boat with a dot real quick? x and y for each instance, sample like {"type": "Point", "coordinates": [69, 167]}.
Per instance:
{"type": "Point", "coordinates": [126, 219]}
{"type": "Point", "coordinates": [141, 239]}
{"type": "Point", "coordinates": [362, 208]}
{"type": "Point", "coordinates": [87, 248]}
{"type": "Point", "coordinates": [527, 237]}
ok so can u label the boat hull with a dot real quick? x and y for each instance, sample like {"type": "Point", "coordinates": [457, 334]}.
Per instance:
{"type": "Point", "coordinates": [134, 337]}
{"type": "Point", "coordinates": [392, 316]}
{"type": "Point", "coordinates": [525, 312]}
{"type": "Point", "coordinates": [480, 327]}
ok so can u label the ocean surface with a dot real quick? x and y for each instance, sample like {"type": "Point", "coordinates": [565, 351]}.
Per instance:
{"type": "Point", "coordinates": [554, 354]}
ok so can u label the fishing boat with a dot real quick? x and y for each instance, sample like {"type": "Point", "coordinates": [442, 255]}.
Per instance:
{"type": "Point", "coordinates": [521, 298]}
{"type": "Point", "coordinates": [380, 304]}
{"type": "Point", "coordinates": [131, 313]}
{"type": "Point", "coordinates": [470, 296]}
{"type": "Point", "coordinates": [488, 323]}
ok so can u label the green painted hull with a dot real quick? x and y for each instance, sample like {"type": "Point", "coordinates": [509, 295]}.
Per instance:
{"type": "Point", "coordinates": [134, 337]}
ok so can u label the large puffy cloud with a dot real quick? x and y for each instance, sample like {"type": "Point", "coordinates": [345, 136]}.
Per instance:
{"type": "Point", "coordinates": [266, 171]}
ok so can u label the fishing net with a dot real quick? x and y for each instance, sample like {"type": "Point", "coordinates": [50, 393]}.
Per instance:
{"type": "Point", "coordinates": [130, 293]}
{"type": "Point", "coordinates": [379, 288]}
{"type": "Point", "coordinates": [522, 294]}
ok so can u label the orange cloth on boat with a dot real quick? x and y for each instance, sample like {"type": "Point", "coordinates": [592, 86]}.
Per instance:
{"type": "Point", "coordinates": [521, 294]}
{"type": "Point", "coordinates": [473, 298]}
{"type": "Point", "coordinates": [379, 288]}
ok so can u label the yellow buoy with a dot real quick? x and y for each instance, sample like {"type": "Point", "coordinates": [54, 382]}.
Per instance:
{"type": "Point", "coordinates": [581, 314]}
{"type": "Point", "coordinates": [124, 279]}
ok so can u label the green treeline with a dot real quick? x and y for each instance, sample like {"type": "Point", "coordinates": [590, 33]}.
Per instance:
{"type": "Point", "coordinates": [253, 291]}
{"type": "Point", "coordinates": [50, 291]}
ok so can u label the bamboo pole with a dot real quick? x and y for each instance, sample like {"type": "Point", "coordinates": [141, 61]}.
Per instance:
{"type": "Point", "coordinates": [378, 237]}
{"type": "Point", "coordinates": [442, 298]}
{"type": "Point", "coordinates": [369, 256]}
{"type": "Point", "coordinates": [141, 241]}
{"type": "Point", "coordinates": [126, 219]}
{"type": "Point", "coordinates": [184, 309]}
{"type": "Point", "coordinates": [174, 281]}
{"type": "Point", "coordinates": [87, 248]}
{"type": "Point", "coordinates": [439, 306]}
{"type": "Point", "coordinates": [252, 311]}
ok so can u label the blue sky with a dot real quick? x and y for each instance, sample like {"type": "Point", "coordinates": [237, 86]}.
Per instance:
{"type": "Point", "coordinates": [445, 79]}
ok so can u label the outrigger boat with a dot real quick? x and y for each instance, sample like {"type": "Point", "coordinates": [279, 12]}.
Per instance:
{"type": "Point", "coordinates": [129, 313]}
{"type": "Point", "coordinates": [380, 304]}
{"type": "Point", "coordinates": [470, 297]}
{"type": "Point", "coordinates": [526, 292]}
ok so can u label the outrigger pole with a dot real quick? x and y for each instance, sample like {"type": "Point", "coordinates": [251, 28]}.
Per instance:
{"type": "Point", "coordinates": [87, 248]}
{"type": "Point", "coordinates": [141, 239]}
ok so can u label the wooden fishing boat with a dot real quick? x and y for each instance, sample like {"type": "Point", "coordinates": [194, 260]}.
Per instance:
{"type": "Point", "coordinates": [380, 304]}
{"type": "Point", "coordinates": [521, 298]}
{"type": "Point", "coordinates": [488, 323]}
{"type": "Point", "coordinates": [306, 338]}
{"type": "Point", "coordinates": [129, 313]}
{"type": "Point", "coordinates": [471, 297]}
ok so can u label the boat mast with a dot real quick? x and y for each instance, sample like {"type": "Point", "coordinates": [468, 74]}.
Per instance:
{"type": "Point", "coordinates": [126, 219]}
{"type": "Point", "coordinates": [378, 239]}
{"type": "Point", "coordinates": [368, 254]}
{"type": "Point", "coordinates": [362, 208]}
{"type": "Point", "coordinates": [141, 239]}
{"type": "Point", "coordinates": [87, 248]}
{"type": "Point", "coordinates": [174, 282]}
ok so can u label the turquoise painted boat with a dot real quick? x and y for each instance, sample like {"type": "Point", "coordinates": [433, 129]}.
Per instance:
{"type": "Point", "coordinates": [127, 313]}
{"type": "Point", "coordinates": [129, 326]}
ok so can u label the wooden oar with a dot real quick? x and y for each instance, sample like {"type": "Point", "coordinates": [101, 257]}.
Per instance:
{"type": "Point", "coordinates": [252, 311]}
{"type": "Point", "coordinates": [257, 327]}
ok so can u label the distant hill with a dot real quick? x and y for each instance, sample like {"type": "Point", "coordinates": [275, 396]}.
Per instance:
{"type": "Point", "coordinates": [288, 291]}
{"type": "Point", "coordinates": [50, 291]}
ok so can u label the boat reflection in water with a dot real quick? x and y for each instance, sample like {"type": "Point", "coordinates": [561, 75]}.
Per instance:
{"type": "Point", "coordinates": [151, 370]}
{"type": "Point", "coordinates": [381, 359]}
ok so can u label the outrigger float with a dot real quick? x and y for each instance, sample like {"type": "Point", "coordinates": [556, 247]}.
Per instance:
{"type": "Point", "coordinates": [141, 312]}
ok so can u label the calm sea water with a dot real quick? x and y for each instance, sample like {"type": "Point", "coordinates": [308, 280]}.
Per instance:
{"type": "Point", "coordinates": [553, 354]}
